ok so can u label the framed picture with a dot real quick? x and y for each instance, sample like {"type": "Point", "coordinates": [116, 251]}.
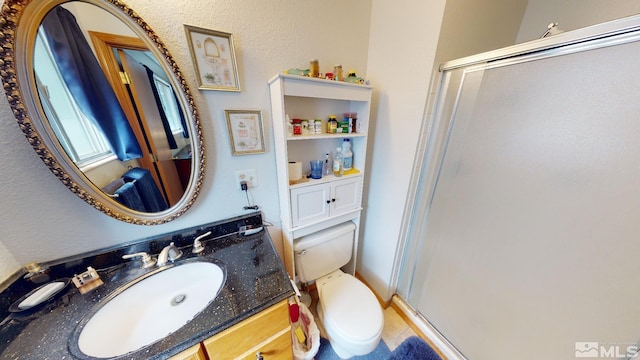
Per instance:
{"type": "Point", "coordinates": [214, 59]}
{"type": "Point", "coordinates": [245, 131]}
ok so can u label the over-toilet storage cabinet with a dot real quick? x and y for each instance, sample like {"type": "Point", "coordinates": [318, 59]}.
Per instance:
{"type": "Point", "coordinates": [315, 205]}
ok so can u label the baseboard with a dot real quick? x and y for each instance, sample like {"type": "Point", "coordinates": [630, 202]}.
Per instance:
{"type": "Point", "coordinates": [427, 332]}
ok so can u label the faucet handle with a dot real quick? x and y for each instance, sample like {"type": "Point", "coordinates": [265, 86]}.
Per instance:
{"type": "Point", "coordinates": [147, 260]}
{"type": "Point", "coordinates": [197, 244]}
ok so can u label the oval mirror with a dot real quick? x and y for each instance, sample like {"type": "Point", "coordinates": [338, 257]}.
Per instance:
{"type": "Point", "coordinates": [104, 105]}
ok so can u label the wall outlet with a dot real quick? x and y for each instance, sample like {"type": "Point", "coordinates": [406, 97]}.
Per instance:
{"type": "Point", "coordinates": [246, 175]}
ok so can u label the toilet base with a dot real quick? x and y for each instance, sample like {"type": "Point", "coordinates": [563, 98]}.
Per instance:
{"type": "Point", "coordinates": [342, 353]}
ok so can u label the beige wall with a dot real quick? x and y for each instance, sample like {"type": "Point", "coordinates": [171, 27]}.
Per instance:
{"type": "Point", "coordinates": [472, 27]}
{"type": "Point", "coordinates": [408, 40]}
{"type": "Point", "coordinates": [404, 36]}
{"type": "Point", "coordinates": [572, 14]}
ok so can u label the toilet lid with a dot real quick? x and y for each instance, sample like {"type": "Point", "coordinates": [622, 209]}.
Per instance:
{"type": "Point", "coordinates": [351, 308]}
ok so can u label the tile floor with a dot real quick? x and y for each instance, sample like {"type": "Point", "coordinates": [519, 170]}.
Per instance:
{"type": "Point", "coordinates": [395, 329]}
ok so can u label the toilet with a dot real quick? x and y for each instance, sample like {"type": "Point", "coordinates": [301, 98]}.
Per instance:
{"type": "Point", "coordinates": [348, 309]}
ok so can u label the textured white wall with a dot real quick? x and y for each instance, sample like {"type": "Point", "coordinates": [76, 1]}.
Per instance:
{"type": "Point", "coordinates": [401, 56]}
{"type": "Point", "coordinates": [572, 14]}
{"type": "Point", "coordinates": [43, 221]}
{"type": "Point", "coordinates": [8, 264]}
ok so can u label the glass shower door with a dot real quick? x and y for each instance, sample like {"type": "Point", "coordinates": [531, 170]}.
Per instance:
{"type": "Point", "coordinates": [524, 235]}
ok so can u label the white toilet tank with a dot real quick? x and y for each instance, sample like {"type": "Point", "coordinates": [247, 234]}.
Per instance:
{"type": "Point", "coordinates": [322, 252]}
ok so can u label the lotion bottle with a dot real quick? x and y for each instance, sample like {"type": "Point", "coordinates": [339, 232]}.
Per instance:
{"type": "Point", "coordinates": [338, 168]}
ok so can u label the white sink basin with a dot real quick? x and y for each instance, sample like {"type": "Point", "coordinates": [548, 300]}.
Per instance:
{"type": "Point", "coordinates": [150, 309]}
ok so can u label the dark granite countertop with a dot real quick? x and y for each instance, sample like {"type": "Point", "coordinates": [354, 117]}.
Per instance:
{"type": "Point", "coordinates": [255, 280]}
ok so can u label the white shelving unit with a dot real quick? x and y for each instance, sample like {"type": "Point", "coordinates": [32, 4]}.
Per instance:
{"type": "Point", "coordinates": [314, 205]}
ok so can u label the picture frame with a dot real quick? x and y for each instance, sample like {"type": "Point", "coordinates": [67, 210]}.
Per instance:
{"type": "Point", "coordinates": [214, 59]}
{"type": "Point", "coordinates": [246, 132]}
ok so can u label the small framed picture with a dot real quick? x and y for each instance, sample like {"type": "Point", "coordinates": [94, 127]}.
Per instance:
{"type": "Point", "coordinates": [245, 131]}
{"type": "Point", "coordinates": [214, 59]}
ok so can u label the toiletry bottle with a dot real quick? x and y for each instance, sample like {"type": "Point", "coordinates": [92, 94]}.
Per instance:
{"type": "Point", "coordinates": [332, 124]}
{"type": "Point", "coordinates": [347, 155]}
{"type": "Point", "coordinates": [317, 126]}
{"type": "Point", "coordinates": [338, 169]}
{"type": "Point", "coordinates": [327, 165]}
{"type": "Point", "coordinates": [289, 126]}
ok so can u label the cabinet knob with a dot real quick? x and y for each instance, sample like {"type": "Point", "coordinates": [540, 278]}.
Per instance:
{"type": "Point", "coordinates": [333, 200]}
{"type": "Point", "coordinates": [328, 201]}
{"type": "Point", "coordinates": [259, 356]}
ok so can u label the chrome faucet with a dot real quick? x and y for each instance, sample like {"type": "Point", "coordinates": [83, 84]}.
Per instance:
{"type": "Point", "coordinates": [169, 253]}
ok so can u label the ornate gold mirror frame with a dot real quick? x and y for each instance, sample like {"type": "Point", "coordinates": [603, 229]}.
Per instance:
{"type": "Point", "coordinates": [19, 22]}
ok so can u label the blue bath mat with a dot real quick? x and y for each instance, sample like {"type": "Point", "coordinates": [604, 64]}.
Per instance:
{"type": "Point", "coordinates": [326, 352]}
{"type": "Point", "coordinates": [414, 348]}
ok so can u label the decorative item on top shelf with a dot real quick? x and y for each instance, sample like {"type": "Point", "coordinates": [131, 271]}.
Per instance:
{"type": "Point", "coordinates": [337, 74]}
{"type": "Point", "coordinates": [245, 131]}
{"type": "Point", "coordinates": [296, 71]}
{"type": "Point", "coordinates": [353, 78]}
{"type": "Point", "coordinates": [314, 68]}
{"type": "Point", "coordinates": [214, 59]}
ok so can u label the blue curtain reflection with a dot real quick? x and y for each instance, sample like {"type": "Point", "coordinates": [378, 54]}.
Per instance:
{"type": "Point", "coordinates": [87, 83]}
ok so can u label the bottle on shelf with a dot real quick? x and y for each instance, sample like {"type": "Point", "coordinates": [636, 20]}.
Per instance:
{"type": "Point", "coordinates": [354, 121]}
{"type": "Point", "coordinates": [297, 127]}
{"type": "Point", "coordinates": [332, 125]}
{"type": "Point", "coordinates": [347, 155]}
{"type": "Point", "coordinates": [289, 126]}
{"type": "Point", "coordinates": [338, 168]}
{"type": "Point", "coordinates": [327, 165]}
{"type": "Point", "coordinates": [317, 126]}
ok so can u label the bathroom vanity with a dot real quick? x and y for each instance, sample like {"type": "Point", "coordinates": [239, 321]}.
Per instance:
{"type": "Point", "coordinates": [247, 318]}
{"type": "Point", "coordinates": [267, 334]}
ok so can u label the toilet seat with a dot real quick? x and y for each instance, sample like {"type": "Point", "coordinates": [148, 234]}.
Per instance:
{"type": "Point", "coordinates": [350, 310]}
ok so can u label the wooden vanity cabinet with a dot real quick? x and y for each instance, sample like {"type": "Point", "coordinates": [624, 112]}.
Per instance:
{"type": "Point", "coordinates": [195, 352]}
{"type": "Point", "coordinates": [267, 334]}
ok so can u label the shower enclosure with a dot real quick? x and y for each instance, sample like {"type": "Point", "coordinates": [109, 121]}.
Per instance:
{"type": "Point", "coordinates": [524, 238]}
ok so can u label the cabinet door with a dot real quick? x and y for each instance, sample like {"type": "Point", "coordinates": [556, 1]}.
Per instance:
{"type": "Point", "coordinates": [255, 331]}
{"type": "Point", "coordinates": [277, 348]}
{"type": "Point", "coordinates": [193, 353]}
{"type": "Point", "coordinates": [310, 203]}
{"type": "Point", "coordinates": [345, 195]}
